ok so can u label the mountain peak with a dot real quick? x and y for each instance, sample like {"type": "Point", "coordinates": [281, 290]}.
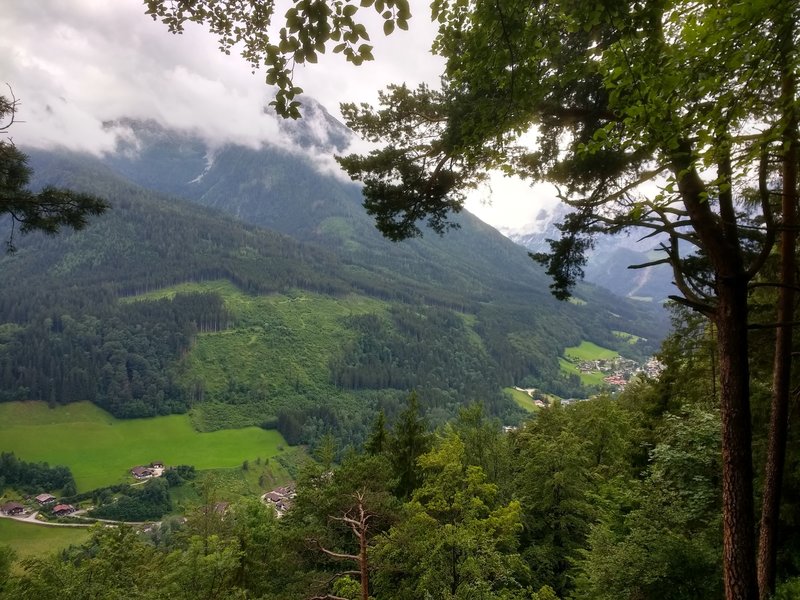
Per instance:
{"type": "Point", "coordinates": [318, 130]}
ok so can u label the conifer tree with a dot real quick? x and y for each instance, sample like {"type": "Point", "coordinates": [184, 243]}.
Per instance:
{"type": "Point", "coordinates": [409, 440]}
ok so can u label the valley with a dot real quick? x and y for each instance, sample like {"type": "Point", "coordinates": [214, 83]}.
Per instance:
{"type": "Point", "coordinates": [253, 358]}
{"type": "Point", "coordinates": [29, 541]}
{"type": "Point", "coordinates": [227, 323]}
{"type": "Point", "coordinates": [101, 451]}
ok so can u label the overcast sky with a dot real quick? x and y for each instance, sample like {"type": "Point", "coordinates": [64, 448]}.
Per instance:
{"type": "Point", "coordinates": [74, 64]}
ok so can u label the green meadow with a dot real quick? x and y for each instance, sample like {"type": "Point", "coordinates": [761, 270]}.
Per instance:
{"type": "Point", "coordinates": [522, 399]}
{"type": "Point", "coordinates": [36, 540]}
{"type": "Point", "coordinates": [586, 378]}
{"type": "Point", "coordinates": [628, 337]}
{"type": "Point", "coordinates": [101, 449]}
{"type": "Point", "coordinates": [589, 351]}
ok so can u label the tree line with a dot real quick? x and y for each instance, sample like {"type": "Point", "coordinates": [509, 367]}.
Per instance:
{"type": "Point", "coordinates": [34, 477]}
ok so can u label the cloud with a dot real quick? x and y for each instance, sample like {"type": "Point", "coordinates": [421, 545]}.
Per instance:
{"type": "Point", "coordinates": [98, 61]}
{"type": "Point", "coordinates": [75, 65]}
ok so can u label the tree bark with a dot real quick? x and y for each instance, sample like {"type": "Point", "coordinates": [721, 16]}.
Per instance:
{"type": "Point", "coordinates": [782, 366]}
{"type": "Point", "coordinates": [730, 317]}
{"type": "Point", "coordinates": [739, 553]}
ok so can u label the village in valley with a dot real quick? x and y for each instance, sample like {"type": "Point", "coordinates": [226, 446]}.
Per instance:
{"type": "Point", "coordinates": [619, 371]}
{"type": "Point", "coordinates": [40, 502]}
{"type": "Point", "coordinates": [616, 372]}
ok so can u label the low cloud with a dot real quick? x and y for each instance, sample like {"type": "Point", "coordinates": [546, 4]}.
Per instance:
{"type": "Point", "coordinates": [75, 66]}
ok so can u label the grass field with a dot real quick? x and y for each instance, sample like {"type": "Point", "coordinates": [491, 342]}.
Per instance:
{"type": "Point", "coordinates": [101, 449]}
{"type": "Point", "coordinates": [589, 351]}
{"type": "Point", "coordinates": [628, 337]}
{"type": "Point", "coordinates": [34, 540]}
{"type": "Point", "coordinates": [586, 378]}
{"type": "Point", "coordinates": [522, 399]}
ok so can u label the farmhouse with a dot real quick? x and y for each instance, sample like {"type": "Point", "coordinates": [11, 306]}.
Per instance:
{"type": "Point", "coordinates": [45, 499]}
{"type": "Point", "coordinates": [61, 510]}
{"type": "Point", "coordinates": [280, 498]}
{"type": "Point", "coordinates": [12, 508]}
{"type": "Point", "coordinates": [273, 497]}
{"type": "Point", "coordinates": [142, 472]}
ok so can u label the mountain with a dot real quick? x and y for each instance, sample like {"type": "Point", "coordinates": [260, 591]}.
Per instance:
{"type": "Point", "coordinates": [609, 261]}
{"type": "Point", "coordinates": [248, 286]}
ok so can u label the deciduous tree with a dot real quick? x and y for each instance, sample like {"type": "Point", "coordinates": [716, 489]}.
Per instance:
{"type": "Point", "coordinates": [680, 95]}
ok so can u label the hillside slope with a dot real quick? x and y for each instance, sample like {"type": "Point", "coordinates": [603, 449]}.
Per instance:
{"type": "Point", "coordinates": [162, 306]}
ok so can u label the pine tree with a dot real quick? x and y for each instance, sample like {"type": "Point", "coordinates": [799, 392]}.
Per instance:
{"type": "Point", "coordinates": [409, 441]}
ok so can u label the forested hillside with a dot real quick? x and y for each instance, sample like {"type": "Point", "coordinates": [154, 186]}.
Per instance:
{"type": "Point", "coordinates": [610, 499]}
{"type": "Point", "coordinates": [457, 318]}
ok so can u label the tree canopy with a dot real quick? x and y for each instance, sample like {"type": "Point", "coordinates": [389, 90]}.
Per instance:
{"type": "Point", "coordinates": [310, 28]}
{"type": "Point", "coordinates": [696, 100]}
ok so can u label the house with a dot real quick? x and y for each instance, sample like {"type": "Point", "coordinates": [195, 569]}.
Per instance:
{"type": "Point", "coordinates": [280, 498]}
{"type": "Point", "coordinates": [157, 464]}
{"type": "Point", "coordinates": [45, 499]}
{"type": "Point", "coordinates": [273, 497]}
{"type": "Point", "coordinates": [142, 472]}
{"type": "Point", "coordinates": [61, 510]}
{"type": "Point", "coordinates": [12, 508]}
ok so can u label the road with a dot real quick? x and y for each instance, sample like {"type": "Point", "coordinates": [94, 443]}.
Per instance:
{"type": "Point", "coordinates": [31, 518]}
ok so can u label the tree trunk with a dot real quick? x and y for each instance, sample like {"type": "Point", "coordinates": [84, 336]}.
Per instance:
{"type": "Point", "coordinates": [362, 554]}
{"type": "Point", "coordinates": [781, 375]}
{"type": "Point", "coordinates": [739, 555]}
{"type": "Point", "coordinates": [720, 240]}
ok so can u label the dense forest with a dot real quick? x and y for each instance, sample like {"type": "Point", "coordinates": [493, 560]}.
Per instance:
{"type": "Point", "coordinates": [612, 498]}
